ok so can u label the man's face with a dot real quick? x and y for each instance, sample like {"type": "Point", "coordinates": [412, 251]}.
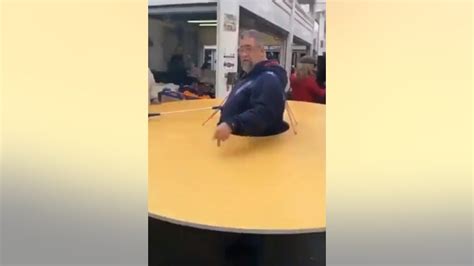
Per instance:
{"type": "Point", "coordinates": [250, 53]}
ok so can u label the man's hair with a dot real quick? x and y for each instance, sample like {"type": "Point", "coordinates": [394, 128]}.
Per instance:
{"type": "Point", "coordinates": [254, 34]}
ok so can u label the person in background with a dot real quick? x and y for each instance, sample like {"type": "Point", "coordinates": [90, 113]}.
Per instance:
{"type": "Point", "coordinates": [304, 86]}
{"type": "Point", "coordinates": [207, 75]}
{"type": "Point", "coordinates": [176, 67]}
{"type": "Point", "coordinates": [151, 83]}
{"type": "Point", "coordinates": [194, 72]}
{"type": "Point", "coordinates": [321, 77]}
{"type": "Point", "coordinates": [256, 104]}
{"type": "Point", "coordinates": [151, 78]}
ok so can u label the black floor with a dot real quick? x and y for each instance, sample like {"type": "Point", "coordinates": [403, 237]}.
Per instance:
{"type": "Point", "coordinates": [175, 245]}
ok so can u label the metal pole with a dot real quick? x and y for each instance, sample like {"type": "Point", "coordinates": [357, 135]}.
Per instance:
{"type": "Point", "coordinates": [184, 111]}
{"type": "Point", "coordinates": [313, 36]}
{"type": "Point", "coordinates": [289, 43]}
{"type": "Point", "coordinates": [322, 22]}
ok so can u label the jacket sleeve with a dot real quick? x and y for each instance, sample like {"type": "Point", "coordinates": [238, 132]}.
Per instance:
{"type": "Point", "coordinates": [267, 101]}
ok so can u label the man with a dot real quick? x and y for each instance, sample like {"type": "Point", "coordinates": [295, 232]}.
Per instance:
{"type": "Point", "coordinates": [256, 104]}
{"type": "Point", "coordinates": [151, 78]}
{"type": "Point", "coordinates": [151, 84]}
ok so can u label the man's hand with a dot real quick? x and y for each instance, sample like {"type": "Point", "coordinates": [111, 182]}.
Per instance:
{"type": "Point", "coordinates": [222, 133]}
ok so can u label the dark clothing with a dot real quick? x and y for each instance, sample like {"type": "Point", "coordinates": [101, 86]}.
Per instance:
{"type": "Point", "coordinates": [256, 104]}
{"type": "Point", "coordinates": [176, 70]}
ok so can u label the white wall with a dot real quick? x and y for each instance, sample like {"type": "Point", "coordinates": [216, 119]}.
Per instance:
{"type": "Point", "coordinates": [304, 25]}
{"type": "Point", "coordinates": [302, 32]}
{"type": "Point", "coordinates": [269, 11]}
{"type": "Point", "coordinates": [322, 34]}
{"type": "Point", "coordinates": [178, 2]}
{"type": "Point", "coordinates": [274, 12]}
{"type": "Point", "coordinates": [227, 45]}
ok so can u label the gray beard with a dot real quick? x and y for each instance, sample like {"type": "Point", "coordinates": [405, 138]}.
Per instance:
{"type": "Point", "coordinates": [247, 66]}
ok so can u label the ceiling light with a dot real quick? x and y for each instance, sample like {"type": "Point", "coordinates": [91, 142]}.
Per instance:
{"type": "Point", "coordinates": [202, 21]}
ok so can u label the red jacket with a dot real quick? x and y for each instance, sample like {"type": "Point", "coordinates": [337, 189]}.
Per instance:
{"type": "Point", "coordinates": [307, 89]}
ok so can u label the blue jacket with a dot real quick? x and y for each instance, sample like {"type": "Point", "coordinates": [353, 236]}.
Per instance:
{"type": "Point", "coordinates": [256, 104]}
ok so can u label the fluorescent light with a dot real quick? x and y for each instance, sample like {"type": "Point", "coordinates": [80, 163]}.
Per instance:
{"type": "Point", "coordinates": [202, 21]}
{"type": "Point", "coordinates": [208, 25]}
